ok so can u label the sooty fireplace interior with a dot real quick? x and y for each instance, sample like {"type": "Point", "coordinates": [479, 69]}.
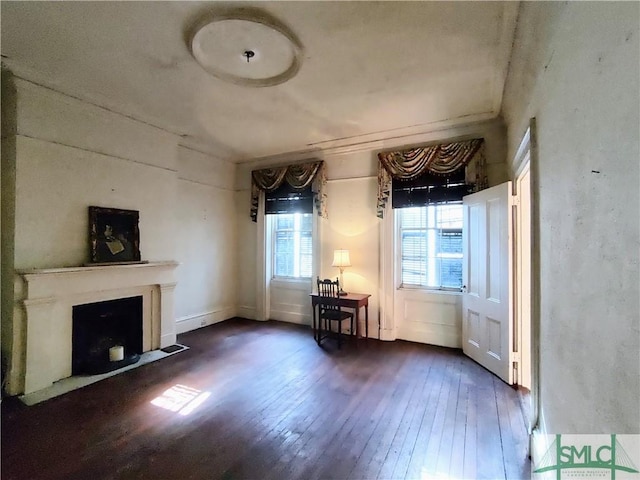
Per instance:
{"type": "Point", "coordinates": [98, 327]}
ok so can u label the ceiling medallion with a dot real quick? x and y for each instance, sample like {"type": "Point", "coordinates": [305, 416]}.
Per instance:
{"type": "Point", "coordinates": [246, 49]}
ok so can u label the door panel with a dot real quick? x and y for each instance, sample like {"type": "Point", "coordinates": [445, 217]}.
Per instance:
{"type": "Point", "coordinates": [486, 301]}
{"type": "Point", "coordinates": [474, 246]}
{"type": "Point", "coordinates": [473, 328]}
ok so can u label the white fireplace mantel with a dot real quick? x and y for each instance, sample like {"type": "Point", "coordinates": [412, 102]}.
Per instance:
{"type": "Point", "coordinates": [45, 298]}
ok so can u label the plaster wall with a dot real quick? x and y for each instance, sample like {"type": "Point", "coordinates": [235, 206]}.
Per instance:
{"type": "Point", "coordinates": [205, 229]}
{"type": "Point", "coordinates": [575, 69]}
{"type": "Point", "coordinates": [54, 186]}
{"type": "Point", "coordinates": [7, 214]}
{"type": "Point", "coordinates": [353, 225]}
{"type": "Point", "coordinates": [247, 249]}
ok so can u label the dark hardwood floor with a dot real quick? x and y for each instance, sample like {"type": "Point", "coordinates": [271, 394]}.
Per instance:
{"type": "Point", "coordinates": [279, 407]}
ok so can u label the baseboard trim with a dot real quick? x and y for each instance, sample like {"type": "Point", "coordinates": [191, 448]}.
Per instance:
{"type": "Point", "coordinates": [387, 335]}
{"type": "Point", "coordinates": [247, 311]}
{"type": "Point", "coordinates": [538, 441]}
{"type": "Point", "coordinates": [290, 317]}
{"type": "Point", "coordinates": [193, 322]}
{"type": "Point", "coordinates": [441, 338]}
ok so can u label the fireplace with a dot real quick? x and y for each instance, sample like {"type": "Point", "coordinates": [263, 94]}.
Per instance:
{"type": "Point", "coordinates": [106, 335]}
{"type": "Point", "coordinates": [49, 299]}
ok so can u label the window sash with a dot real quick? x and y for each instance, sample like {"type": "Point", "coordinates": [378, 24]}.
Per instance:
{"type": "Point", "coordinates": [292, 245]}
{"type": "Point", "coordinates": [430, 240]}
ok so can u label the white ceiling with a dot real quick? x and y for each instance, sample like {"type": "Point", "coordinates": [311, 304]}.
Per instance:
{"type": "Point", "coordinates": [370, 70]}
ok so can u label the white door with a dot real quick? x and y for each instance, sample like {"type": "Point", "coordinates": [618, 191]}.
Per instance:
{"type": "Point", "coordinates": [486, 300]}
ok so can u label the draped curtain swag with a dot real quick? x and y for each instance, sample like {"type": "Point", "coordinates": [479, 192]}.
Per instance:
{"type": "Point", "coordinates": [440, 160]}
{"type": "Point", "coordinates": [299, 176]}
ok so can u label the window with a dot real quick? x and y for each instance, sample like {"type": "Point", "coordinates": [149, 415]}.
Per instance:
{"type": "Point", "coordinates": [292, 244]}
{"type": "Point", "coordinates": [431, 246]}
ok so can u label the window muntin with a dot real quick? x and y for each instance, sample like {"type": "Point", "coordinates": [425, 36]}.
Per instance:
{"type": "Point", "coordinates": [431, 246]}
{"type": "Point", "coordinates": [292, 245]}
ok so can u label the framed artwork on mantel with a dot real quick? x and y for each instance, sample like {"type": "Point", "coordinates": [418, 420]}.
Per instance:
{"type": "Point", "coordinates": [114, 236]}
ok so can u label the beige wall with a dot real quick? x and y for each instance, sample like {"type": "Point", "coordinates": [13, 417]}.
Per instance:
{"type": "Point", "coordinates": [7, 212]}
{"type": "Point", "coordinates": [205, 227]}
{"type": "Point", "coordinates": [575, 68]}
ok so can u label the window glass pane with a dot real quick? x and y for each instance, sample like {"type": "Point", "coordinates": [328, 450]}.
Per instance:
{"type": "Point", "coordinates": [450, 241]}
{"type": "Point", "coordinates": [306, 222]}
{"type": "Point", "coordinates": [284, 221]}
{"type": "Point", "coordinates": [284, 253]}
{"type": "Point", "coordinates": [451, 272]}
{"type": "Point", "coordinates": [413, 217]}
{"type": "Point", "coordinates": [449, 216]}
{"type": "Point", "coordinates": [414, 247]}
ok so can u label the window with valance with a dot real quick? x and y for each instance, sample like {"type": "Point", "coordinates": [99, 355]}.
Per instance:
{"type": "Point", "coordinates": [429, 175]}
{"type": "Point", "coordinates": [290, 189]}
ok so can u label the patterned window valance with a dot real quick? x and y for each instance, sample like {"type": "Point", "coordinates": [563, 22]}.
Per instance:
{"type": "Point", "coordinates": [298, 176]}
{"type": "Point", "coordinates": [441, 160]}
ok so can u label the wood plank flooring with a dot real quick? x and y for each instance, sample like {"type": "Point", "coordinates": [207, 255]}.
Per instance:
{"type": "Point", "coordinates": [279, 407]}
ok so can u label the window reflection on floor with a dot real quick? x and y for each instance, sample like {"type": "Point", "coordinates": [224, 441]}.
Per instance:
{"type": "Point", "coordinates": [181, 399]}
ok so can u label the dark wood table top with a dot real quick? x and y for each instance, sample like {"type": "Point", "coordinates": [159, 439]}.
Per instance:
{"type": "Point", "coordinates": [357, 297]}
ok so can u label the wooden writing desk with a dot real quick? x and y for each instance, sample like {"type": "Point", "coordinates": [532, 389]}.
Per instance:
{"type": "Point", "coordinates": [350, 300]}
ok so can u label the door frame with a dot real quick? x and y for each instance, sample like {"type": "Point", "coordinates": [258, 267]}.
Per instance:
{"type": "Point", "coordinates": [522, 275]}
{"type": "Point", "coordinates": [526, 158]}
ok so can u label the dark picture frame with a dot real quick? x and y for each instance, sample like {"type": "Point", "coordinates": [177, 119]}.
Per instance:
{"type": "Point", "coordinates": [114, 235]}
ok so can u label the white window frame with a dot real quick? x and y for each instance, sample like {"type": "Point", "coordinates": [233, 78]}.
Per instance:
{"type": "Point", "coordinates": [398, 261]}
{"type": "Point", "coordinates": [271, 225]}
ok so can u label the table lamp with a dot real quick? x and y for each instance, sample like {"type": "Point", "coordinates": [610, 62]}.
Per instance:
{"type": "Point", "coordinates": [341, 260]}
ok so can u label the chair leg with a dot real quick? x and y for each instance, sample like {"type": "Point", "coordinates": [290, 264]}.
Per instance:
{"type": "Point", "coordinates": [339, 334]}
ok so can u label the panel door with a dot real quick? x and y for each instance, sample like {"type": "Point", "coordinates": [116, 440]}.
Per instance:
{"type": "Point", "coordinates": [486, 301]}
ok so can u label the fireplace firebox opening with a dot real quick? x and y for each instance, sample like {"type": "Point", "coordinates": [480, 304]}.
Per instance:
{"type": "Point", "coordinates": [100, 329]}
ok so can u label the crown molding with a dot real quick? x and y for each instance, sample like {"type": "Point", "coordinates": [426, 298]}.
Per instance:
{"type": "Point", "coordinates": [471, 127]}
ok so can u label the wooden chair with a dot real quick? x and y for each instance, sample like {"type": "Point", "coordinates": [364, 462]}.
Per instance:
{"type": "Point", "coordinates": [330, 312]}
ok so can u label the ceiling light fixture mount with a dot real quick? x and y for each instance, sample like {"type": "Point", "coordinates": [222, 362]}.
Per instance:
{"type": "Point", "coordinates": [276, 58]}
{"type": "Point", "coordinates": [248, 54]}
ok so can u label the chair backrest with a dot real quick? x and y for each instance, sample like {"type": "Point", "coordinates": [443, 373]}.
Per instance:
{"type": "Point", "coordinates": [328, 294]}
{"type": "Point", "coordinates": [328, 288]}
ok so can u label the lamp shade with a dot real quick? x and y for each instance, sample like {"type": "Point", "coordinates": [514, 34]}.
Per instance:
{"type": "Point", "coordinates": [341, 258]}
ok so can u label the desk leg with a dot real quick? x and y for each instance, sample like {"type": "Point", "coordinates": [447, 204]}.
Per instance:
{"type": "Point", "coordinates": [315, 333]}
{"type": "Point", "coordinates": [357, 322]}
{"type": "Point", "coordinates": [366, 320]}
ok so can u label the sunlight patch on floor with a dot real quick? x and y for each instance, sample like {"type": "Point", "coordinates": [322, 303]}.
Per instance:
{"type": "Point", "coordinates": [180, 399]}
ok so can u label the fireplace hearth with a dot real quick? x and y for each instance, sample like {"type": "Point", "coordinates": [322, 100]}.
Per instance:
{"type": "Point", "coordinates": [100, 326]}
